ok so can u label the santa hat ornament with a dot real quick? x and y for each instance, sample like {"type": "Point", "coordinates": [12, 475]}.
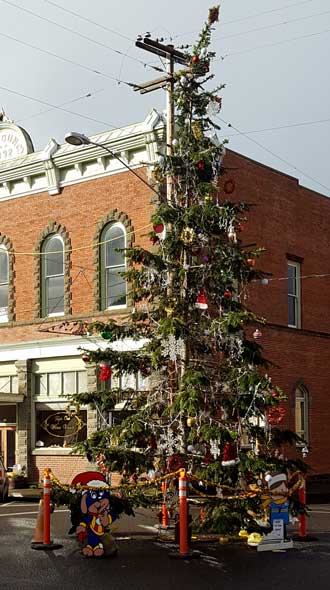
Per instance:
{"type": "Point", "coordinates": [229, 455]}
{"type": "Point", "coordinates": [92, 479]}
{"type": "Point", "coordinates": [160, 231]}
{"type": "Point", "coordinates": [201, 301]}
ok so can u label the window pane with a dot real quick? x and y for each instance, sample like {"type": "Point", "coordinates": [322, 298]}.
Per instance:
{"type": "Point", "coordinates": [54, 383]}
{"type": "Point", "coordinates": [292, 280]}
{"type": "Point", "coordinates": [69, 382]}
{"type": "Point", "coordinates": [292, 319]}
{"type": "Point", "coordinates": [115, 287]}
{"type": "Point", "coordinates": [5, 384]}
{"type": "Point", "coordinates": [116, 238]}
{"type": "Point", "coordinates": [3, 266]}
{"type": "Point", "coordinates": [41, 386]}
{"type": "Point", "coordinates": [55, 294]}
{"type": "Point", "coordinates": [3, 296]}
{"type": "Point", "coordinates": [82, 381]}
{"type": "Point", "coordinates": [54, 262]}
{"type": "Point", "coordinates": [58, 429]}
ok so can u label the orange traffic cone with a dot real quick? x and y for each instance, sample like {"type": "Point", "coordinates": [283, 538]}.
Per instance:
{"type": "Point", "coordinates": [38, 536]}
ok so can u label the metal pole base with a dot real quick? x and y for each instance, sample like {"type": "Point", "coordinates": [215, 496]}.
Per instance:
{"type": "Point", "coordinates": [46, 546]}
{"type": "Point", "coordinates": [190, 555]}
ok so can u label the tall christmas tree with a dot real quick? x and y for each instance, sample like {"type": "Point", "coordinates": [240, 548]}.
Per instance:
{"type": "Point", "coordinates": [209, 405]}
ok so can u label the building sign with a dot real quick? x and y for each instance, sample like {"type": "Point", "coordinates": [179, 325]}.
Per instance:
{"type": "Point", "coordinates": [61, 429]}
{"type": "Point", "coordinates": [14, 142]}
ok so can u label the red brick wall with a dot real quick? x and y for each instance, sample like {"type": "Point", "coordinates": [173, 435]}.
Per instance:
{"type": "Point", "coordinates": [79, 208]}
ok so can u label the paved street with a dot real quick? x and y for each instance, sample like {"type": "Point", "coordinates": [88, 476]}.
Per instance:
{"type": "Point", "coordinates": [143, 562]}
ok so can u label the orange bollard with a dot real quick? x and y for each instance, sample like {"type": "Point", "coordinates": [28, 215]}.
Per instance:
{"type": "Point", "coordinates": [184, 552]}
{"type": "Point", "coordinates": [38, 536]}
{"type": "Point", "coordinates": [164, 507]}
{"type": "Point", "coordinates": [45, 543]}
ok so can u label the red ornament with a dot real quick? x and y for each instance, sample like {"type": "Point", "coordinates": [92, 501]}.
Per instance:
{"type": "Point", "coordinates": [195, 59]}
{"type": "Point", "coordinates": [200, 165]}
{"type": "Point", "coordinates": [229, 455]}
{"type": "Point", "coordinates": [152, 442]}
{"type": "Point", "coordinates": [105, 373]}
{"type": "Point", "coordinates": [251, 261]}
{"type": "Point", "coordinates": [201, 301]}
{"type": "Point", "coordinates": [160, 231]}
{"type": "Point", "coordinates": [227, 293]}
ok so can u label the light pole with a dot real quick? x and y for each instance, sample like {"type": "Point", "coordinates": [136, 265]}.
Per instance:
{"type": "Point", "coordinates": [78, 139]}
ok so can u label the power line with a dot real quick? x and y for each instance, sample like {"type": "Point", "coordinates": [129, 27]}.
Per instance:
{"type": "Point", "coordinates": [60, 108]}
{"type": "Point", "coordinates": [302, 124]}
{"type": "Point", "coordinates": [78, 15]}
{"type": "Point", "coordinates": [70, 61]}
{"type": "Point", "coordinates": [274, 154]}
{"type": "Point", "coordinates": [238, 20]}
{"type": "Point", "coordinates": [276, 43]}
{"type": "Point", "coordinates": [68, 29]}
{"type": "Point", "coordinates": [263, 28]}
{"type": "Point", "coordinates": [88, 95]}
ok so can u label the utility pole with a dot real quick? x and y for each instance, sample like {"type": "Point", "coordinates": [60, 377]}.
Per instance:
{"type": "Point", "coordinates": [171, 56]}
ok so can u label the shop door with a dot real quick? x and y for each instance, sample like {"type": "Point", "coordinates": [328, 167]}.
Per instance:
{"type": "Point", "coordinates": [8, 445]}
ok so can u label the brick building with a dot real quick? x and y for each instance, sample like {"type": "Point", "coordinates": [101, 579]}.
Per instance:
{"type": "Point", "coordinates": [69, 201]}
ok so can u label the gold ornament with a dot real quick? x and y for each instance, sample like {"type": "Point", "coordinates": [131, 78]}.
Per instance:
{"type": "Point", "coordinates": [188, 235]}
{"type": "Point", "coordinates": [190, 421]}
{"type": "Point", "coordinates": [197, 130]}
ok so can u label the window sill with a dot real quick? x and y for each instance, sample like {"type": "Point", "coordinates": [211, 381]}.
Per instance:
{"type": "Point", "coordinates": [54, 451]}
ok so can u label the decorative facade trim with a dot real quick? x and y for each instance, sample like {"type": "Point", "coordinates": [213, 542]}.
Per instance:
{"type": "Point", "coordinates": [113, 216]}
{"type": "Point", "coordinates": [53, 228]}
{"type": "Point", "coordinates": [5, 241]}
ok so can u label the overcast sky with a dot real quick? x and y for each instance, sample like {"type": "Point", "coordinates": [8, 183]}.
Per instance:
{"type": "Point", "coordinates": [273, 56]}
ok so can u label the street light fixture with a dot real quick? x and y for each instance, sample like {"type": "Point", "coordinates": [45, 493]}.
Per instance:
{"type": "Point", "coordinates": [76, 139]}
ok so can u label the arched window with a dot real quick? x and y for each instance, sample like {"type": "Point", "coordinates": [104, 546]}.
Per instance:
{"type": "Point", "coordinates": [302, 412]}
{"type": "Point", "coordinates": [112, 263]}
{"type": "Point", "coordinates": [4, 283]}
{"type": "Point", "coordinates": [52, 276]}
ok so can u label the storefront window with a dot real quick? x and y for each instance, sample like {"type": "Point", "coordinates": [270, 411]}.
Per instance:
{"type": "Point", "coordinates": [59, 428]}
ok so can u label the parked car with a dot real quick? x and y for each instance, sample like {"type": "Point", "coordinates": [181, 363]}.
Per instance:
{"type": "Point", "coordinates": [4, 482]}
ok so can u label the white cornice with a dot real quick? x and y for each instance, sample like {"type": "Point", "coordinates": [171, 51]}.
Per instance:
{"type": "Point", "coordinates": [50, 169]}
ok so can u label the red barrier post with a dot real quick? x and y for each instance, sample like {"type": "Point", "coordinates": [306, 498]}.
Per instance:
{"type": "Point", "coordinates": [183, 547]}
{"type": "Point", "coordinates": [164, 507]}
{"type": "Point", "coordinates": [302, 516]}
{"type": "Point", "coordinates": [47, 490]}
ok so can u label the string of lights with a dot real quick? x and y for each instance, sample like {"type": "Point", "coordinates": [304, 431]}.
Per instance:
{"type": "Point", "coordinates": [289, 126]}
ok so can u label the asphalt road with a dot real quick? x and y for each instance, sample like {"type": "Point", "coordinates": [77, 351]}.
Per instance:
{"type": "Point", "coordinates": [143, 562]}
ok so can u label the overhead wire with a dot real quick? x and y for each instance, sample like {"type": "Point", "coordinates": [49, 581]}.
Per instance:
{"type": "Point", "coordinates": [274, 154]}
{"type": "Point", "coordinates": [70, 61]}
{"type": "Point", "coordinates": [278, 127]}
{"type": "Point", "coordinates": [265, 27]}
{"type": "Point", "coordinates": [234, 21]}
{"type": "Point", "coordinates": [52, 108]}
{"type": "Point", "coordinates": [275, 44]}
{"type": "Point", "coordinates": [70, 30]}
{"type": "Point", "coordinates": [57, 107]}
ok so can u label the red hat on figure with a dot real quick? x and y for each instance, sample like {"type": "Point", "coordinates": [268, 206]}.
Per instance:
{"type": "Point", "coordinates": [94, 479]}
